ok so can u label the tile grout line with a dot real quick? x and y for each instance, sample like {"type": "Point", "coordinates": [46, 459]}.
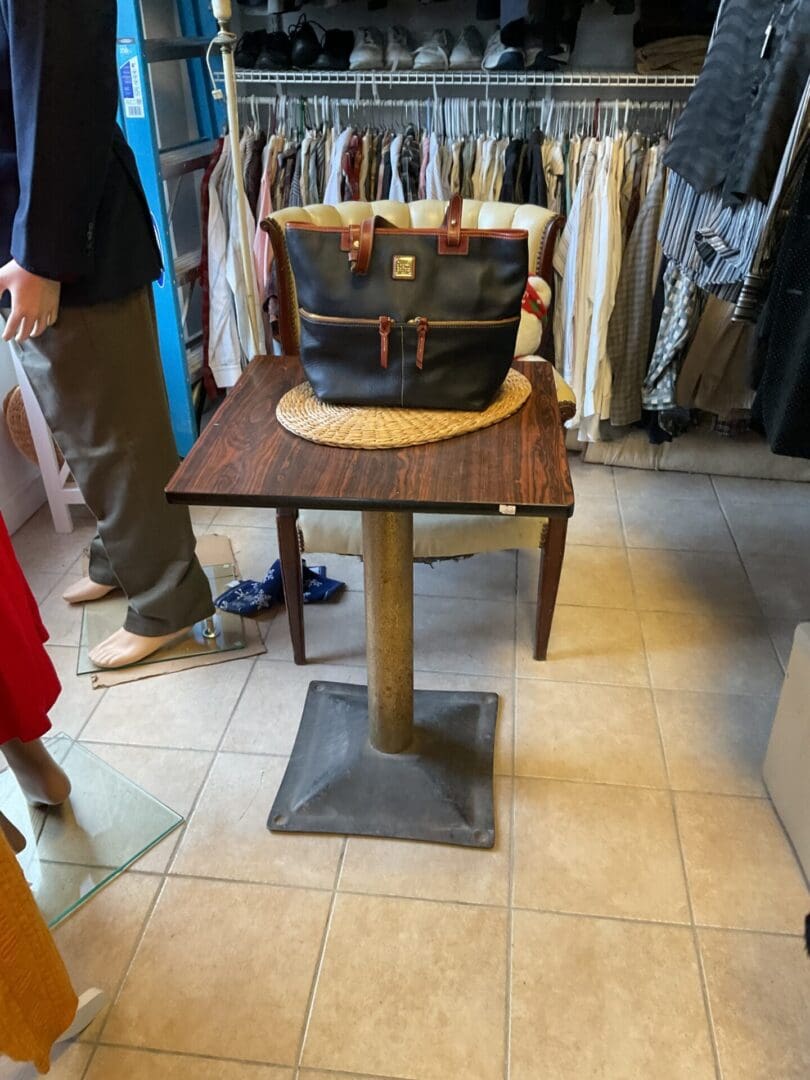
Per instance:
{"type": "Point", "coordinates": [507, 1061]}
{"type": "Point", "coordinates": [704, 987]}
{"type": "Point", "coordinates": [313, 990]}
{"type": "Point", "coordinates": [747, 575]}
{"type": "Point", "coordinates": [164, 877]}
{"type": "Point", "coordinates": [158, 1051]}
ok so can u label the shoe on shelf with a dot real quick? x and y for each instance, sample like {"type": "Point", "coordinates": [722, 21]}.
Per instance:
{"type": "Point", "coordinates": [305, 48]}
{"type": "Point", "coordinates": [434, 55]}
{"type": "Point", "coordinates": [539, 60]}
{"type": "Point", "coordinates": [500, 57]}
{"type": "Point", "coordinates": [468, 51]}
{"type": "Point", "coordinates": [275, 54]}
{"type": "Point", "coordinates": [336, 50]}
{"type": "Point", "coordinates": [398, 49]}
{"type": "Point", "coordinates": [248, 47]}
{"type": "Point", "coordinates": [368, 51]}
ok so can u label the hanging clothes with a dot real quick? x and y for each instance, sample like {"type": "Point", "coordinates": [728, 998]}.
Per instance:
{"type": "Point", "coordinates": [229, 325]}
{"type": "Point", "coordinates": [751, 83]}
{"type": "Point", "coordinates": [631, 320]}
{"type": "Point", "coordinates": [782, 404]}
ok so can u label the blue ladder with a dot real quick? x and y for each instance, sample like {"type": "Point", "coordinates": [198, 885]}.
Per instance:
{"type": "Point", "coordinates": [171, 122]}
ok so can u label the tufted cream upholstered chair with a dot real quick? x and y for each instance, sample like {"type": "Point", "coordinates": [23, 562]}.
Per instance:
{"type": "Point", "coordinates": [436, 536]}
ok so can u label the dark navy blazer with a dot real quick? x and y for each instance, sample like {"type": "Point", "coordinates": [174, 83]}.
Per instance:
{"type": "Point", "coordinates": [71, 204]}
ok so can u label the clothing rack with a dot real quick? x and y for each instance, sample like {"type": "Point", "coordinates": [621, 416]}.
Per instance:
{"type": "Point", "coordinates": [458, 117]}
{"type": "Point", "coordinates": [515, 79]}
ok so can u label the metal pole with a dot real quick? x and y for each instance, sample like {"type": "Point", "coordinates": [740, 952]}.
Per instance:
{"type": "Point", "coordinates": [388, 560]}
{"type": "Point", "coordinates": [227, 43]}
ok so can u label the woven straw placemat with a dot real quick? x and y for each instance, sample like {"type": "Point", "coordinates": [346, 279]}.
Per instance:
{"type": "Point", "coordinates": [370, 428]}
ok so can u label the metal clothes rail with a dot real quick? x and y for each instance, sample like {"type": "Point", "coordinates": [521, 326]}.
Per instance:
{"type": "Point", "coordinates": [513, 79]}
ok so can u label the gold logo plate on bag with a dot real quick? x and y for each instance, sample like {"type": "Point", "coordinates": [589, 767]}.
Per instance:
{"type": "Point", "coordinates": [404, 268]}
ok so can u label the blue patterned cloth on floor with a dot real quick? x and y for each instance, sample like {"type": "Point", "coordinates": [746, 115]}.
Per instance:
{"type": "Point", "coordinates": [251, 597]}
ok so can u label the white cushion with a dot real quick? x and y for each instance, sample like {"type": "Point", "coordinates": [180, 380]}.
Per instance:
{"type": "Point", "coordinates": [435, 536]}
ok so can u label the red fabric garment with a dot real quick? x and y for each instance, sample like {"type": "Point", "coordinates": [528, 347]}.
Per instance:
{"type": "Point", "coordinates": [29, 685]}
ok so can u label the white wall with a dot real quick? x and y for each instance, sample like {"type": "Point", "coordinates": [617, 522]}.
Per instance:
{"type": "Point", "coordinates": [21, 490]}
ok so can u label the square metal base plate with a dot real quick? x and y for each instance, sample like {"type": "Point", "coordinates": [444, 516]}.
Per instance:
{"type": "Point", "coordinates": [440, 789]}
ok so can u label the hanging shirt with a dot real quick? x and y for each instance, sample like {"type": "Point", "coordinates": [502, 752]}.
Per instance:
{"type": "Point", "coordinates": [333, 191]}
{"type": "Point", "coordinates": [396, 192]}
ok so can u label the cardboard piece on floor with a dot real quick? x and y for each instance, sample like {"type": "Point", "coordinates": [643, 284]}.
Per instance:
{"type": "Point", "coordinates": [211, 549]}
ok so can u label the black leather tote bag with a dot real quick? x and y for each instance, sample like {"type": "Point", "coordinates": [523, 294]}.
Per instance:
{"type": "Point", "coordinates": [415, 318]}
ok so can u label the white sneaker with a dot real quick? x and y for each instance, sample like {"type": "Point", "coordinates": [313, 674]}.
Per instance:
{"type": "Point", "coordinates": [500, 57]}
{"type": "Point", "coordinates": [434, 55]}
{"type": "Point", "coordinates": [468, 51]}
{"type": "Point", "coordinates": [367, 54]}
{"type": "Point", "coordinates": [398, 52]}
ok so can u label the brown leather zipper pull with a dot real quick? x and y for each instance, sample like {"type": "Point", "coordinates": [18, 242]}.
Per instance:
{"type": "Point", "coordinates": [386, 323]}
{"type": "Point", "coordinates": [421, 337]}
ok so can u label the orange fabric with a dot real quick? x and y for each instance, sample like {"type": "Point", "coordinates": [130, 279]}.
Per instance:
{"type": "Point", "coordinates": [37, 1001]}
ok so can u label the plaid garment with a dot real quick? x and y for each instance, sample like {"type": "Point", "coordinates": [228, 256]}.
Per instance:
{"type": "Point", "coordinates": [628, 337]}
{"type": "Point", "coordinates": [410, 162]}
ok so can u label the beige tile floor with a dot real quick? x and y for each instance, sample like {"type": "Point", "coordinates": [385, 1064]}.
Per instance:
{"type": "Point", "coordinates": [640, 916]}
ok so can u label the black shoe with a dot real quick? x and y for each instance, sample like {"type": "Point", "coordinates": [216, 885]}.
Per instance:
{"type": "Point", "coordinates": [336, 50]}
{"type": "Point", "coordinates": [248, 48]}
{"type": "Point", "coordinates": [275, 54]}
{"type": "Point", "coordinates": [304, 45]}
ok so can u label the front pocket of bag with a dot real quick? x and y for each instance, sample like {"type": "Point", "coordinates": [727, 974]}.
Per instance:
{"type": "Point", "coordinates": [456, 365]}
{"type": "Point", "coordinates": [352, 361]}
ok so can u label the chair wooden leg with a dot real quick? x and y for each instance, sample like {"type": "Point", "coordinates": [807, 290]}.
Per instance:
{"type": "Point", "coordinates": [290, 557]}
{"type": "Point", "coordinates": [550, 569]}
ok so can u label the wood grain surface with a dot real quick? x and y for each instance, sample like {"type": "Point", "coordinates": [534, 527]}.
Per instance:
{"type": "Point", "coordinates": [245, 458]}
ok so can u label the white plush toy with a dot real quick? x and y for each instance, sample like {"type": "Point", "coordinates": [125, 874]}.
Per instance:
{"type": "Point", "coordinates": [535, 305]}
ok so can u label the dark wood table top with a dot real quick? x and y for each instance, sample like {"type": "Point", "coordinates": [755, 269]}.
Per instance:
{"type": "Point", "coordinates": [245, 458]}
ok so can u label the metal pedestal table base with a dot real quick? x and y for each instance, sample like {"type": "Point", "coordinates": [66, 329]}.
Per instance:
{"type": "Point", "coordinates": [386, 761]}
{"type": "Point", "coordinates": [439, 789]}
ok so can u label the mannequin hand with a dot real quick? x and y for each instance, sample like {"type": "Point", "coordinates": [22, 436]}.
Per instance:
{"type": "Point", "coordinates": [34, 302]}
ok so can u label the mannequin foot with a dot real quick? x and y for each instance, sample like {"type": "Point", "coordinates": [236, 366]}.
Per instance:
{"type": "Point", "coordinates": [91, 1002]}
{"type": "Point", "coordinates": [123, 648]}
{"type": "Point", "coordinates": [43, 781]}
{"type": "Point", "coordinates": [15, 838]}
{"type": "Point", "coordinates": [85, 591]}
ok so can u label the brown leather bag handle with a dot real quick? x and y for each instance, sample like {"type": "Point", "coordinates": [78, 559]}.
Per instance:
{"type": "Point", "coordinates": [362, 245]}
{"type": "Point", "coordinates": [452, 221]}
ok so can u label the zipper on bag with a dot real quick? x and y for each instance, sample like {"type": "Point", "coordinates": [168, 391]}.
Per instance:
{"type": "Point", "coordinates": [385, 324]}
{"type": "Point", "coordinates": [423, 324]}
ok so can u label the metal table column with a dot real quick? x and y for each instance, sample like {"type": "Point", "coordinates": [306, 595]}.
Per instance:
{"type": "Point", "coordinates": [385, 760]}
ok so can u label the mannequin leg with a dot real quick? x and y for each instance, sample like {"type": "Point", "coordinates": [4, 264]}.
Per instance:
{"type": "Point", "coordinates": [42, 780]}
{"type": "Point", "coordinates": [97, 376]}
{"type": "Point", "coordinates": [100, 580]}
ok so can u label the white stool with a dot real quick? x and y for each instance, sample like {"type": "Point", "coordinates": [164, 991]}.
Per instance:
{"type": "Point", "coordinates": [787, 762]}
{"type": "Point", "coordinates": [60, 487]}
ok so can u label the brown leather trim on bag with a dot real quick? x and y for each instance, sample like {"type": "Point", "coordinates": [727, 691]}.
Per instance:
{"type": "Point", "coordinates": [452, 221]}
{"type": "Point", "coordinates": [360, 252]}
{"type": "Point", "coordinates": [287, 301]}
{"type": "Point", "coordinates": [445, 247]}
{"type": "Point", "coordinates": [348, 237]}
{"type": "Point", "coordinates": [501, 234]}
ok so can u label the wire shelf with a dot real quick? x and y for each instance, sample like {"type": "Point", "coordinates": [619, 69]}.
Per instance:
{"type": "Point", "coordinates": [381, 79]}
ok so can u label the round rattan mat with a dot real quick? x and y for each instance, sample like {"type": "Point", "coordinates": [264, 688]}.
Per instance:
{"type": "Point", "coordinates": [372, 428]}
